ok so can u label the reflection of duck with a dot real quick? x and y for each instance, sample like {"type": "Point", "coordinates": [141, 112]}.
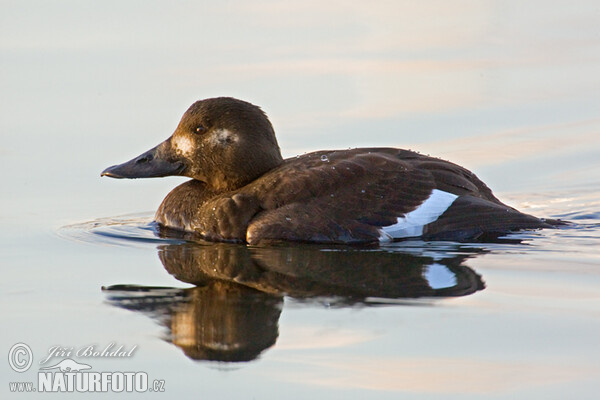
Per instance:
{"type": "Point", "coordinates": [232, 314]}
{"type": "Point", "coordinates": [219, 321]}
{"type": "Point", "coordinates": [309, 271]}
{"type": "Point", "coordinates": [243, 191]}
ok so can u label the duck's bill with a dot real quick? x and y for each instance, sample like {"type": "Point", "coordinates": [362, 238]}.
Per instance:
{"type": "Point", "coordinates": [154, 163]}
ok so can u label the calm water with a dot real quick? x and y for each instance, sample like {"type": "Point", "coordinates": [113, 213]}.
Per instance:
{"type": "Point", "coordinates": [507, 89]}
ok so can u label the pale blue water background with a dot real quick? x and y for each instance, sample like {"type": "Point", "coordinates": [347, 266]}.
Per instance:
{"type": "Point", "coordinates": [509, 89]}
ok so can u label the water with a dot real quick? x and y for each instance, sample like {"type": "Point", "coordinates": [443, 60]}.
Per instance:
{"type": "Point", "coordinates": [509, 90]}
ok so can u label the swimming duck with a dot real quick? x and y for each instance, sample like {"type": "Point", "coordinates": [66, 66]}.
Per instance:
{"type": "Point", "coordinates": [243, 191]}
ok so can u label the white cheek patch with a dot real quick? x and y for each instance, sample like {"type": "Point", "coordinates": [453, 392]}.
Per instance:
{"type": "Point", "coordinates": [411, 224]}
{"type": "Point", "coordinates": [222, 137]}
{"type": "Point", "coordinates": [183, 145]}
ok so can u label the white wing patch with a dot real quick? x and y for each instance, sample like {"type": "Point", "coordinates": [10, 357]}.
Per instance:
{"type": "Point", "coordinates": [411, 224]}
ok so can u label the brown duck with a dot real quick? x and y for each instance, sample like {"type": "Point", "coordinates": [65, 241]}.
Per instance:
{"type": "Point", "coordinates": [242, 190]}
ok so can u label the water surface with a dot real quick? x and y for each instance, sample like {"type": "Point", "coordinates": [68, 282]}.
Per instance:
{"type": "Point", "coordinates": [506, 89]}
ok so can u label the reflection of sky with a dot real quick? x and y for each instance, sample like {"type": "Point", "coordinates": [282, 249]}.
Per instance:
{"type": "Point", "coordinates": [456, 376]}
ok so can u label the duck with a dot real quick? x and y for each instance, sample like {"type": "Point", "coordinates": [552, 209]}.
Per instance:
{"type": "Point", "coordinates": [242, 190]}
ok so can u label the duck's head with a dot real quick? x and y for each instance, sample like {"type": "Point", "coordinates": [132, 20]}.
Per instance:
{"type": "Point", "coordinates": [223, 142]}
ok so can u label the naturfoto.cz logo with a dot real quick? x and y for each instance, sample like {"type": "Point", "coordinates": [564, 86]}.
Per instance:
{"type": "Point", "coordinates": [68, 375]}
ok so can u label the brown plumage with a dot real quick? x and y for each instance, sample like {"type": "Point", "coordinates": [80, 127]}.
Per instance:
{"type": "Point", "coordinates": [242, 191]}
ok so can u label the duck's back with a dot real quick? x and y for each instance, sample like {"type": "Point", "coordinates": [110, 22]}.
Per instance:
{"type": "Point", "coordinates": [370, 195]}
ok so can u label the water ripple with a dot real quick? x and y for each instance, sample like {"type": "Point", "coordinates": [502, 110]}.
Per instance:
{"type": "Point", "coordinates": [126, 230]}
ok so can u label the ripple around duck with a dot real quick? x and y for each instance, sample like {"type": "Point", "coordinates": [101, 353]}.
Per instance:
{"type": "Point", "coordinates": [579, 237]}
{"type": "Point", "coordinates": [580, 215]}
{"type": "Point", "coordinates": [127, 230]}
{"type": "Point", "coordinates": [139, 230]}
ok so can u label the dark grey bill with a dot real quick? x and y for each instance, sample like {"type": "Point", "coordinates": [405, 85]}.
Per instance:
{"type": "Point", "coordinates": [152, 164]}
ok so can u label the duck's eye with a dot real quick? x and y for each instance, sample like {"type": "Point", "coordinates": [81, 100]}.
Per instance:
{"type": "Point", "coordinates": [199, 129]}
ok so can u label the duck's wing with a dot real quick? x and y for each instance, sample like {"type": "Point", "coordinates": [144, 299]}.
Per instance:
{"type": "Point", "coordinates": [368, 195]}
{"type": "Point", "coordinates": [449, 177]}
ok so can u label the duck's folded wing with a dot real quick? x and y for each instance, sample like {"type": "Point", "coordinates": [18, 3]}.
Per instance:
{"type": "Point", "coordinates": [369, 195]}
{"type": "Point", "coordinates": [471, 218]}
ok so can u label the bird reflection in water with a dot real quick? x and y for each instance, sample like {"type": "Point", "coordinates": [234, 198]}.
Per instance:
{"type": "Point", "coordinates": [232, 312]}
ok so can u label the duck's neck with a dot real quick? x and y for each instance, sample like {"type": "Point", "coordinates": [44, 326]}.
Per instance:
{"type": "Point", "coordinates": [238, 176]}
